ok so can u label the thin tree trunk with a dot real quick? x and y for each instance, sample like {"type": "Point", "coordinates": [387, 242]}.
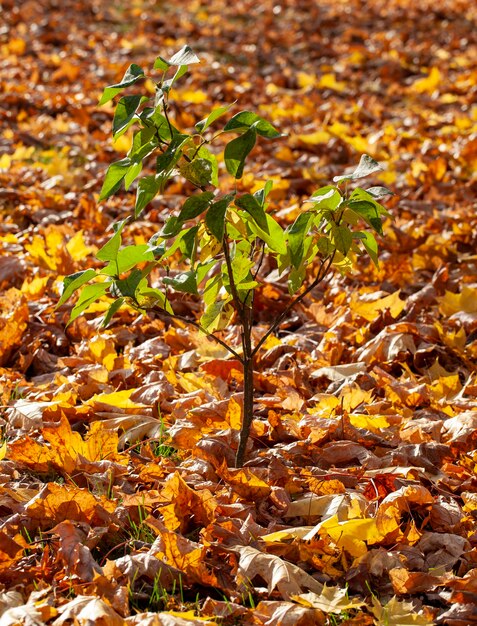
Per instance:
{"type": "Point", "coordinates": [247, 416]}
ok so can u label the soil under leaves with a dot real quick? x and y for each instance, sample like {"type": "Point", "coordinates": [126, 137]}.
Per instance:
{"type": "Point", "coordinates": [118, 501]}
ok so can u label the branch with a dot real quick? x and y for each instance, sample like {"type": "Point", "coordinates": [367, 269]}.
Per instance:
{"type": "Point", "coordinates": [322, 272]}
{"type": "Point", "coordinates": [200, 328]}
{"type": "Point", "coordinates": [210, 335]}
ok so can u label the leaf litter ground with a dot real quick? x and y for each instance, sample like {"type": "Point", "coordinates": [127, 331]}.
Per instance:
{"type": "Point", "coordinates": [358, 502]}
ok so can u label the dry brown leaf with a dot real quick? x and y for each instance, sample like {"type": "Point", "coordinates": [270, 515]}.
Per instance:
{"type": "Point", "coordinates": [391, 509]}
{"type": "Point", "coordinates": [187, 508]}
{"type": "Point", "coordinates": [288, 578]}
{"type": "Point", "coordinates": [57, 503]}
{"type": "Point", "coordinates": [88, 611]}
{"type": "Point", "coordinates": [287, 614]}
{"type": "Point", "coordinates": [13, 322]}
{"type": "Point", "coordinates": [77, 557]}
{"type": "Point", "coordinates": [330, 600]}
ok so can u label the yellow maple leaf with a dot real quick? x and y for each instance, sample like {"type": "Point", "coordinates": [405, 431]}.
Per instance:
{"type": "Point", "coordinates": [328, 81]}
{"type": "Point", "coordinates": [234, 414]}
{"type": "Point", "coordinates": [36, 287]}
{"type": "Point", "coordinates": [429, 83]}
{"type": "Point", "coordinates": [194, 96]}
{"type": "Point", "coordinates": [352, 535]}
{"type": "Point", "coordinates": [371, 309]}
{"type": "Point", "coordinates": [3, 450]}
{"type": "Point", "coordinates": [77, 248]}
{"type": "Point", "coordinates": [192, 617]}
{"type": "Point", "coordinates": [119, 399]}
{"type": "Point", "coordinates": [13, 321]}
{"type": "Point", "coordinates": [465, 301]}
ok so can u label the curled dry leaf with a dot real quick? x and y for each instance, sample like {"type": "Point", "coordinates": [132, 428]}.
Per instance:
{"type": "Point", "coordinates": [287, 614]}
{"type": "Point", "coordinates": [172, 618]}
{"type": "Point", "coordinates": [77, 557]}
{"type": "Point", "coordinates": [14, 316]}
{"type": "Point", "coordinates": [330, 600]}
{"type": "Point", "coordinates": [288, 578]}
{"type": "Point", "coordinates": [392, 508]}
{"type": "Point", "coordinates": [88, 611]}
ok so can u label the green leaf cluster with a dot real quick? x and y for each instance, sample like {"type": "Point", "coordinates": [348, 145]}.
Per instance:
{"type": "Point", "coordinates": [213, 247]}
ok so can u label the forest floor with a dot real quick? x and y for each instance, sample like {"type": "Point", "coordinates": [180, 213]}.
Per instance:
{"type": "Point", "coordinates": [119, 503]}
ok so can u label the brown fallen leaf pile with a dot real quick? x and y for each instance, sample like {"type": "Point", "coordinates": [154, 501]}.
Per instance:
{"type": "Point", "coordinates": [358, 503]}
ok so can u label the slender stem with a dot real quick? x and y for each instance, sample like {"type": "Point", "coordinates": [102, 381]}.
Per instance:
{"type": "Point", "coordinates": [245, 315]}
{"type": "Point", "coordinates": [322, 272]}
{"type": "Point", "coordinates": [260, 260]}
{"type": "Point", "coordinates": [248, 385]}
{"type": "Point", "coordinates": [247, 417]}
{"type": "Point", "coordinates": [165, 104]}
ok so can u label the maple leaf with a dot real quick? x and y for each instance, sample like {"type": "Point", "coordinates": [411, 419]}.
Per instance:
{"type": "Point", "coordinates": [330, 600]}
{"type": "Point", "coordinates": [77, 557]}
{"type": "Point", "coordinates": [88, 611]}
{"type": "Point", "coordinates": [397, 613]}
{"type": "Point", "coordinates": [288, 578]}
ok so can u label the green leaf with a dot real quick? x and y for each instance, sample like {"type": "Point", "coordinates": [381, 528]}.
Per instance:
{"type": "Point", "coordinates": [261, 194]}
{"type": "Point", "coordinates": [296, 238]}
{"type": "Point", "coordinates": [188, 242]}
{"type": "Point", "coordinates": [371, 246]}
{"type": "Point", "coordinates": [116, 305]}
{"type": "Point", "coordinates": [326, 198]}
{"type": "Point", "coordinates": [295, 279]}
{"type": "Point", "coordinates": [90, 294]}
{"type": "Point", "coordinates": [147, 189]}
{"type": "Point", "coordinates": [125, 114]}
{"type": "Point", "coordinates": [198, 171]}
{"type": "Point", "coordinates": [127, 286]}
{"type": "Point", "coordinates": [325, 246]}
{"type": "Point", "coordinates": [171, 228]}
{"type": "Point", "coordinates": [161, 64]}
{"type": "Point", "coordinates": [249, 203]}
{"type": "Point", "coordinates": [181, 70]}
{"type": "Point", "coordinates": [246, 120]}
{"type": "Point", "coordinates": [212, 286]}
{"type": "Point", "coordinates": [148, 298]}
{"type": "Point", "coordinates": [237, 150]}
{"type": "Point", "coordinates": [114, 176]}
{"type": "Point", "coordinates": [109, 251]}
{"type": "Point", "coordinates": [215, 217]}
{"type": "Point", "coordinates": [274, 236]}
{"type": "Point", "coordinates": [205, 153]}
{"type": "Point", "coordinates": [132, 75]}
{"type": "Point", "coordinates": [195, 205]}
{"type": "Point", "coordinates": [185, 282]}
{"type": "Point", "coordinates": [366, 166]}
{"type": "Point", "coordinates": [203, 269]}
{"type": "Point", "coordinates": [127, 258]}
{"type": "Point", "coordinates": [168, 159]}
{"type": "Point", "coordinates": [132, 173]}
{"type": "Point", "coordinates": [159, 121]}
{"type": "Point", "coordinates": [210, 119]}
{"type": "Point", "coordinates": [342, 238]}
{"type": "Point", "coordinates": [241, 266]}
{"type": "Point", "coordinates": [361, 194]}
{"type": "Point", "coordinates": [211, 316]}
{"type": "Point", "coordinates": [73, 282]}
{"type": "Point", "coordinates": [369, 213]}
{"type": "Point", "coordinates": [144, 143]}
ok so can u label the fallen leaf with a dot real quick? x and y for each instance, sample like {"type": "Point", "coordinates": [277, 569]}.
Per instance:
{"type": "Point", "coordinates": [286, 577]}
